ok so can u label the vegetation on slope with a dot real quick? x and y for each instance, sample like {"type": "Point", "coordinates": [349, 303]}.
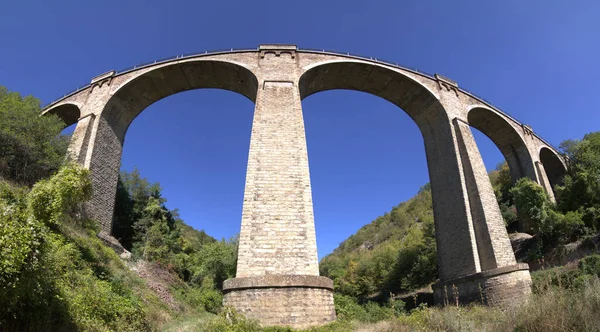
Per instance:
{"type": "Point", "coordinates": [394, 253]}
{"type": "Point", "coordinates": [55, 274]}
{"type": "Point", "coordinates": [32, 147]}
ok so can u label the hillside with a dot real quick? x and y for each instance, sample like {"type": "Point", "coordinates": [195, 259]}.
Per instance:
{"type": "Point", "coordinates": [394, 253]}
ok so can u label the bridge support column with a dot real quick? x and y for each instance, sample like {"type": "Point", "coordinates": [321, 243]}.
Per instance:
{"type": "Point", "coordinates": [475, 259]}
{"type": "Point", "coordinates": [277, 279]}
{"type": "Point", "coordinates": [544, 181]}
{"type": "Point", "coordinates": [97, 147]}
{"type": "Point", "coordinates": [78, 147]}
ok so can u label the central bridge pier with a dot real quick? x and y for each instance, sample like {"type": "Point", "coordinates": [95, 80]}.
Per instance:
{"type": "Point", "coordinates": [277, 279]}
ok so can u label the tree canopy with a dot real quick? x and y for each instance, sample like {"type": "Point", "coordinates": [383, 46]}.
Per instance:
{"type": "Point", "coordinates": [32, 146]}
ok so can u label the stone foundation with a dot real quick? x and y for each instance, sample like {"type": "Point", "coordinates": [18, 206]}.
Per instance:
{"type": "Point", "coordinates": [297, 301]}
{"type": "Point", "coordinates": [505, 286]}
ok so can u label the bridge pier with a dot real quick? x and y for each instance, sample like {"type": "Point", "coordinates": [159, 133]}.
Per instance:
{"type": "Point", "coordinates": [277, 280]}
{"type": "Point", "coordinates": [476, 262]}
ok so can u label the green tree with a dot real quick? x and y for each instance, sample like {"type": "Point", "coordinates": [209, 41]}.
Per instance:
{"type": "Point", "coordinates": [581, 186]}
{"type": "Point", "coordinates": [216, 260]}
{"type": "Point", "coordinates": [32, 146]}
{"type": "Point", "coordinates": [532, 205]}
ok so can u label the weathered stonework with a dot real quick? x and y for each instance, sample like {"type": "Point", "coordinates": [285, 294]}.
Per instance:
{"type": "Point", "coordinates": [277, 275]}
{"type": "Point", "coordinates": [294, 301]}
{"type": "Point", "coordinates": [506, 286]}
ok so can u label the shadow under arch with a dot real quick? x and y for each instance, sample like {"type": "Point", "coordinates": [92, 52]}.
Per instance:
{"type": "Point", "coordinates": [68, 112]}
{"type": "Point", "coordinates": [506, 139]}
{"type": "Point", "coordinates": [555, 169]}
{"type": "Point", "coordinates": [136, 95]}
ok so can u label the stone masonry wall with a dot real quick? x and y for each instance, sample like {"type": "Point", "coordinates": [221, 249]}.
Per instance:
{"type": "Point", "coordinates": [508, 286]}
{"type": "Point", "coordinates": [296, 307]}
{"type": "Point", "coordinates": [277, 234]}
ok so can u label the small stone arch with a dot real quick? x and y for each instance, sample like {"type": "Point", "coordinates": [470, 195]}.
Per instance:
{"type": "Point", "coordinates": [69, 112]}
{"type": "Point", "coordinates": [553, 166]}
{"type": "Point", "coordinates": [506, 138]}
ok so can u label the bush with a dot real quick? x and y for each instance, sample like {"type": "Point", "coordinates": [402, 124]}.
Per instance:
{"type": "Point", "coordinates": [32, 146]}
{"type": "Point", "coordinates": [20, 238]}
{"type": "Point", "coordinates": [59, 281]}
{"type": "Point", "coordinates": [52, 199]}
{"type": "Point", "coordinates": [590, 265]}
{"type": "Point", "coordinates": [532, 205]}
{"type": "Point", "coordinates": [229, 320]}
{"type": "Point", "coordinates": [376, 313]}
{"type": "Point", "coordinates": [346, 308]}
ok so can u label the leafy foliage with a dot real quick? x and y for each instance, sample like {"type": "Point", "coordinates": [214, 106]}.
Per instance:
{"type": "Point", "coordinates": [395, 253]}
{"type": "Point", "coordinates": [158, 235]}
{"type": "Point", "coordinates": [52, 279]}
{"type": "Point", "coordinates": [32, 146]}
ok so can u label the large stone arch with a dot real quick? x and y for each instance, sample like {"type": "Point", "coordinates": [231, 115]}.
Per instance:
{"type": "Point", "coordinates": [142, 90]}
{"type": "Point", "coordinates": [470, 233]}
{"type": "Point", "coordinates": [134, 95]}
{"type": "Point", "coordinates": [506, 138]}
{"type": "Point", "coordinates": [403, 91]}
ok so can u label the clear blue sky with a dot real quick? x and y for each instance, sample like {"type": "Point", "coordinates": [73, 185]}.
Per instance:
{"type": "Point", "coordinates": [538, 60]}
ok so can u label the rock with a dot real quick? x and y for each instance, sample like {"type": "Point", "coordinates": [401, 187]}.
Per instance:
{"type": "Point", "coordinates": [520, 242]}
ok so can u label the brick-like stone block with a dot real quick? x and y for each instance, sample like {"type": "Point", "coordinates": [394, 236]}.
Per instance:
{"type": "Point", "coordinates": [284, 300]}
{"type": "Point", "coordinates": [505, 286]}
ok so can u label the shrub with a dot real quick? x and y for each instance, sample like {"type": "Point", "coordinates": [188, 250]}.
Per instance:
{"type": "Point", "coordinates": [590, 265]}
{"type": "Point", "coordinates": [229, 320]}
{"type": "Point", "coordinates": [20, 238]}
{"type": "Point", "coordinates": [532, 205]}
{"type": "Point", "coordinates": [376, 313]}
{"type": "Point", "coordinates": [52, 199]}
{"type": "Point", "coordinates": [347, 308]}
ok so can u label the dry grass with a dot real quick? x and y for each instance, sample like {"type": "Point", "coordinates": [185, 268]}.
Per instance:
{"type": "Point", "coordinates": [556, 309]}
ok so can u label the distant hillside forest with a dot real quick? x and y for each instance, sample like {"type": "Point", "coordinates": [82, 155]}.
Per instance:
{"type": "Point", "coordinates": [57, 275]}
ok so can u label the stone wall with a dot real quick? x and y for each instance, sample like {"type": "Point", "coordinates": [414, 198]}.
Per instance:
{"type": "Point", "coordinates": [506, 286]}
{"type": "Point", "coordinates": [272, 306]}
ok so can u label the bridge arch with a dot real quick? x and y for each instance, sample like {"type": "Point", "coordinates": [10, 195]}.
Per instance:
{"type": "Point", "coordinates": [69, 112]}
{"type": "Point", "coordinates": [552, 165]}
{"type": "Point", "coordinates": [398, 88]}
{"type": "Point", "coordinates": [140, 91]}
{"type": "Point", "coordinates": [132, 97]}
{"type": "Point", "coordinates": [505, 137]}
{"type": "Point", "coordinates": [448, 145]}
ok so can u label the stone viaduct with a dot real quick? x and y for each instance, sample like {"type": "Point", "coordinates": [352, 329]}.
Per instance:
{"type": "Point", "coordinates": [277, 277]}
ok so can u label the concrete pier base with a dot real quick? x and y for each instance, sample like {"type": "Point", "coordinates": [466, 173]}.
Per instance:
{"type": "Point", "coordinates": [505, 286]}
{"type": "Point", "coordinates": [298, 301]}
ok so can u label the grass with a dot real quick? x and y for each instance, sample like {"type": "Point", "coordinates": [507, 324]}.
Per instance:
{"type": "Point", "coordinates": [550, 308]}
{"type": "Point", "coordinates": [196, 323]}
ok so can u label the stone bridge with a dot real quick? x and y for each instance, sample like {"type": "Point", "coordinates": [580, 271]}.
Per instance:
{"type": "Point", "coordinates": [277, 277]}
